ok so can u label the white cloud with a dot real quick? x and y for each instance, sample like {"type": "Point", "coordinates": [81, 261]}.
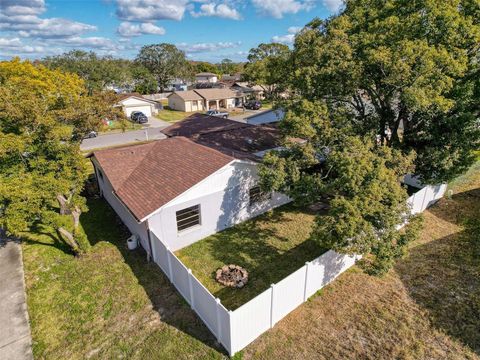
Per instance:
{"type": "Point", "coordinates": [219, 10]}
{"type": "Point", "coordinates": [207, 47]}
{"type": "Point", "coordinates": [288, 38]}
{"type": "Point", "coordinates": [128, 29]}
{"type": "Point", "coordinates": [22, 7]}
{"type": "Point", "coordinates": [151, 10]}
{"type": "Point", "coordinates": [277, 8]}
{"type": "Point", "coordinates": [15, 47]}
{"type": "Point", "coordinates": [22, 17]}
{"type": "Point", "coordinates": [333, 5]}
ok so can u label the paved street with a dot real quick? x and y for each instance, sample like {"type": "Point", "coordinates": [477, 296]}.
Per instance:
{"type": "Point", "coordinates": [127, 137]}
{"type": "Point", "coordinates": [15, 339]}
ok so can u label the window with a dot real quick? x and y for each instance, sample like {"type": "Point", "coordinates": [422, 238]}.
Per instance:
{"type": "Point", "coordinates": [256, 195]}
{"type": "Point", "coordinates": [188, 217]}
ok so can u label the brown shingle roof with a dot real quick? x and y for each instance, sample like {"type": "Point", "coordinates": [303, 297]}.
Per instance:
{"type": "Point", "coordinates": [199, 124]}
{"type": "Point", "coordinates": [187, 95]}
{"type": "Point", "coordinates": [158, 172]}
{"type": "Point", "coordinates": [215, 93]}
{"type": "Point", "coordinates": [236, 139]}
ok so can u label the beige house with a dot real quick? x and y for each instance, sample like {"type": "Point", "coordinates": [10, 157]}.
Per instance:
{"type": "Point", "coordinates": [202, 100]}
{"type": "Point", "coordinates": [187, 101]}
{"type": "Point", "coordinates": [217, 98]}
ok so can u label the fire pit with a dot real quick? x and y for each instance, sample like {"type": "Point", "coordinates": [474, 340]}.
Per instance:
{"type": "Point", "coordinates": [232, 276]}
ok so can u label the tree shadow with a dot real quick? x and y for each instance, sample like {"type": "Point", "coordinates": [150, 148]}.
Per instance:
{"type": "Point", "coordinates": [102, 224]}
{"type": "Point", "coordinates": [443, 276]}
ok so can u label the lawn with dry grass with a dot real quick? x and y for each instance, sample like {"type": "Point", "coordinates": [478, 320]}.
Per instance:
{"type": "Point", "coordinates": [270, 247]}
{"type": "Point", "coordinates": [111, 303]}
{"type": "Point", "coordinates": [427, 307]}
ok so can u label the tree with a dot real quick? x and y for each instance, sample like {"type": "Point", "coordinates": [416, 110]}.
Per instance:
{"type": "Point", "coordinates": [268, 64]}
{"type": "Point", "coordinates": [145, 82]}
{"type": "Point", "coordinates": [356, 180]}
{"type": "Point", "coordinates": [164, 61]}
{"type": "Point", "coordinates": [42, 170]}
{"type": "Point", "coordinates": [405, 68]}
{"type": "Point", "coordinates": [227, 66]}
{"type": "Point", "coordinates": [203, 66]}
{"type": "Point", "coordinates": [98, 72]}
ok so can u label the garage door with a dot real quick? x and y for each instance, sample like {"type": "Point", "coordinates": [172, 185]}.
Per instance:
{"type": "Point", "coordinates": [147, 110]}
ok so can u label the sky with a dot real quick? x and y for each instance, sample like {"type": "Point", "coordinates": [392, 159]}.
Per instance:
{"type": "Point", "coordinates": [207, 30]}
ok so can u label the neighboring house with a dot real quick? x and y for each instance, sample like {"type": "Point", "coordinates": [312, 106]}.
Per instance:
{"type": "Point", "coordinates": [187, 101]}
{"type": "Point", "coordinates": [233, 78]}
{"type": "Point", "coordinates": [266, 117]}
{"type": "Point", "coordinates": [206, 77]}
{"type": "Point", "coordinates": [135, 102]}
{"type": "Point", "coordinates": [203, 99]}
{"type": "Point", "coordinates": [199, 181]}
{"type": "Point", "coordinates": [218, 98]}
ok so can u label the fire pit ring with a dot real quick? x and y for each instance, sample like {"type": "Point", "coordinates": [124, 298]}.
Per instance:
{"type": "Point", "coordinates": [232, 276]}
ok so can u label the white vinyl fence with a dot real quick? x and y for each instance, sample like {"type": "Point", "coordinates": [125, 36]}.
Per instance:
{"type": "Point", "coordinates": [236, 329]}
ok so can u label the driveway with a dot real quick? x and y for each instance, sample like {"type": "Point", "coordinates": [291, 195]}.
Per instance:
{"type": "Point", "coordinates": [15, 339]}
{"type": "Point", "coordinates": [241, 116]}
{"type": "Point", "coordinates": [155, 122]}
{"type": "Point", "coordinates": [128, 137]}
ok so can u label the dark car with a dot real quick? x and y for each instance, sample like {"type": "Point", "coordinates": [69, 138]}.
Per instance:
{"type": "Point", "coordinates": [253, 105]}
{"type": "Point", "coordinates": [91, 134]}
{"type": "Point", "coordinates": [138, 117]}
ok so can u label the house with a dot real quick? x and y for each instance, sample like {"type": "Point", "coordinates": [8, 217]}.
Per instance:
{"type": "Point", "coordinates": [187, 101]}
{"type": "Point", "coordinates": [218, 98]}
{"type": "Point", "coordinates": [266, 117]}
{"type": "Point", "coordinates": [206, 77]}
{"type": "Point", "coordinates": [200, 180]}
{"type": "Point", "coordinates": [202, 99]}
{"type": "Point", "coordinates": [135, 102]}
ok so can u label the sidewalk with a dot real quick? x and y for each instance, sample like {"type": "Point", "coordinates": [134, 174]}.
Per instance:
{"type": "Point", "coordinates": [15, 339]}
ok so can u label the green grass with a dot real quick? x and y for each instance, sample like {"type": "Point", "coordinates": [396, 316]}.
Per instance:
{"type": "Point", "coordinates": [109, 303]}
{"type": "Point", "coordinates": [116, 126]}
{"type": "Point", "coordinates": [266, 104]}
{"type": "Point", "coordinates": [269, 247]}
{"type": "Point", "coordinates": [170, 115]}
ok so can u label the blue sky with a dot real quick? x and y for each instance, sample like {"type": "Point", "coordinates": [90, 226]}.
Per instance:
{"type": "Point", "coordinates": [205, 29]}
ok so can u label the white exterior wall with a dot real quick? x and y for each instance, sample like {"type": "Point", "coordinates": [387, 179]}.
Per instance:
{"type": "Point", "coordinates": [133, 104]}
{"type": "Point", "coordinates": [224, 201]}
{"type": "Point", "coordinates": [210, 79]}
{"type": "Point", "coordinates": [230, 103]}
{"type": "Point", "coordinates": [136, 228]}
{"type": "Point", "coordinates": [175, 102]}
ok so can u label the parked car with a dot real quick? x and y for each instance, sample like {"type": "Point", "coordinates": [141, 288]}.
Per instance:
{"type": "Point", "coordinates": [217, 113]}
{"type": "Point", "coordinates": [138, 117]}
{"type": "Point", "coordinates": [91, 134]}
{"type": "Point", "coordinates": [253, 105]}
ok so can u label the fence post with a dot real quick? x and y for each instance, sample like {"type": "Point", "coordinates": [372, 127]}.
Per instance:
{"type": "Point", "coordinates": [231, 350]}
{"type": "Point", "coordinates": [306, 281]}
{"type": "Point", "coordinates": [190, 288]}
{"type": "Point", "coordinates": [219, 324]}
{"type": "Point", "coordinates": [169, 261]}
{"type": "Point", "coordinates": [272, 286]}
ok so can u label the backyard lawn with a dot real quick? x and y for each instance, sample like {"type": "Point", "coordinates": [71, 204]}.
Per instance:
{"type": "Point", "coordinates": [269, 247]}
{"type": "Point", "coordinates": [111, 303]}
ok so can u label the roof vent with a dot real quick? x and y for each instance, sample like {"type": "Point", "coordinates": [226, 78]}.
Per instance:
{"type": "Point", "coordinates": [249, 141]}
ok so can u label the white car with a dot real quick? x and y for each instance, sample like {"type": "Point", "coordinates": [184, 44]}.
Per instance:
{"type": "Point", "coordinates": [217, 113]}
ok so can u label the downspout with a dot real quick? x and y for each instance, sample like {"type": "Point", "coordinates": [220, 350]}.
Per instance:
{"type": "Point", "coordinates": [149, 254]}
